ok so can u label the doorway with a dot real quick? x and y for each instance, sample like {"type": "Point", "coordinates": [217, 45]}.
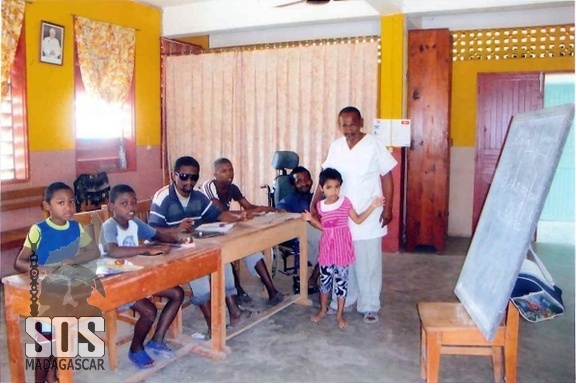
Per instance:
{"type": "Point", "coordinates": [559, 206]}
{"type": "Point", "coordinates": [500, 96]}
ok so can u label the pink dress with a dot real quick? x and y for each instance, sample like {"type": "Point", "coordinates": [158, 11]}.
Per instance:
{"type": "Point", "coordinates": [336, 247]}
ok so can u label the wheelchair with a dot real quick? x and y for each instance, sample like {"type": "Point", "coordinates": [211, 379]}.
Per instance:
{"type": "Point", "coordinates": [282, 186]}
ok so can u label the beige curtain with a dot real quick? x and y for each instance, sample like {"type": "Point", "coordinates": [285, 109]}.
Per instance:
{"type": "Point", "coordinates": [12, 17]}
{"type": "Point", "coordinates": [106, 58]}
{"type": "Point", "coordinates": [245, 105]}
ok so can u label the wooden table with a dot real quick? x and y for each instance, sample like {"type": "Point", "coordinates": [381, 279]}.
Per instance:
{"type": "Point", "coordinates": [261, 234]}
{"type": "Point", "coordinates": [159, 273]}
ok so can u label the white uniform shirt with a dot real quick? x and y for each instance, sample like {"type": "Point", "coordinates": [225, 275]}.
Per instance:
{"type": "Point", "coordinates": [112, 232]}
{"type": "Point", "coordinates": [361, 168]}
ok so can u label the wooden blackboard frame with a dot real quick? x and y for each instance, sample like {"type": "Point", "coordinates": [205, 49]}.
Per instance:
{"type": "Point", "coordinates": [510, 214]}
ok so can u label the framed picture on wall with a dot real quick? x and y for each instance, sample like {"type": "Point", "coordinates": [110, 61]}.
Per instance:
{"type": "Point", "coordinates": [51, 43]}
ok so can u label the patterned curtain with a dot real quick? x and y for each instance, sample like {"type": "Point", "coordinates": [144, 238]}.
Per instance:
{"type": "Point", "coordinates": [245, 105]}
{"type": "Point", "coordinates": [12, 17]}
{"type": "Point", "coordinates": [106, 58]}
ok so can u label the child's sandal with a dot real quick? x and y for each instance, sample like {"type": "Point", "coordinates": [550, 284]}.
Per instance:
{"type": "Point", "coordinates": [141, 359]}
{"type": "Point", "coordinates": [160, 349]}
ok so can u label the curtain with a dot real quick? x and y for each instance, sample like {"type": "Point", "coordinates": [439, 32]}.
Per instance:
{"type": "Point", "coordinates": [12, 18]}
{"type": "Point", "coordinates": [106, 58]}
{"type": "Point", "coordinates": [169, 47]}
{"type": "Point", "coordinates": [245, 105]}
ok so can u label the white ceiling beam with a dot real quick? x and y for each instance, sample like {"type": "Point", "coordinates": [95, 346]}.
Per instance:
{"type": "Point", "coordinates": [296, 33]}
{"type": "Point", "coordinates": [424, 7]}
{"type": "Point", "coordinates": [209, 17]}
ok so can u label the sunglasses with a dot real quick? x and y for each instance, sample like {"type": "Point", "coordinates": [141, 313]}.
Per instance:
{"type": "Point", "coordinates": [186, 176]}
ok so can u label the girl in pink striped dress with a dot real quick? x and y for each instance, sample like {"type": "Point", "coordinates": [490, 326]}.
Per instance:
{"type": "Point", "coordinates": [336, 250]}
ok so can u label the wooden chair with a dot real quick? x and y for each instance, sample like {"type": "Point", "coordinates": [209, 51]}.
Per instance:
{"type": "Point", "coordinates": [446, 328]}
{"type": "Point", "coordinates": [94, 218]}
{"type": "Point", "coordinates": [143, 207]}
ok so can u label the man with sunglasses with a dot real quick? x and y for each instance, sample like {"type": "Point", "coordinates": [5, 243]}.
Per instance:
{"type": "Point", "coordinates": [178, 208]}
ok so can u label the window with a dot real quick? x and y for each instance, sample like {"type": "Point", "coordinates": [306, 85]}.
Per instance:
{"type": "Point", "coordinates": [14, 137]}
{"type": "Point", "coordinates": [104, 132]}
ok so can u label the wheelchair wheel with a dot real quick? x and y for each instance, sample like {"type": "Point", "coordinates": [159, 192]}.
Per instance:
{"type": "Point", "coordinates": [275, 257]}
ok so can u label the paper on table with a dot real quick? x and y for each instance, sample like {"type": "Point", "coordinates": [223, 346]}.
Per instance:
{"type": "Point", "coordinates": [216, 227]}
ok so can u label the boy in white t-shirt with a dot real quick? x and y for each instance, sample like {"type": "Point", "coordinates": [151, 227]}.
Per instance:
{"type": "Point", "coordinates": [120, 238]}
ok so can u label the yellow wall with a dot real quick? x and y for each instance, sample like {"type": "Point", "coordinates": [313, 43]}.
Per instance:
{"type": "Point", "coordinates": [51, 87]}
{"type": "Point", "coordinates": [391, 66]}
{"type": "Point", "coordinates": [464, 75]}
{"type": "Point", "coordinates": [390, 101]}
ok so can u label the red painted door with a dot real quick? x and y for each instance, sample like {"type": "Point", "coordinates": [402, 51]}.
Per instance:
{"type": "Point", "coordinates": [500, 96]}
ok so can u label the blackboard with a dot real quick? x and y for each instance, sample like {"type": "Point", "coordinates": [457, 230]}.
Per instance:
{"type": "Point", "coordinates": [511, 211]}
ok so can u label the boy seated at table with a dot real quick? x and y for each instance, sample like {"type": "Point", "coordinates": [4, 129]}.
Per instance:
{"type": "Point", "coordinates": [120, 238]}
{"type": "Point", "coordinates": [55, 241]}
{"type": "Point", "coordinates": [221, 190]}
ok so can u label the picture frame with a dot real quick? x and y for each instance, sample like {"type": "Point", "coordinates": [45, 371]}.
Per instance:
{"type": "Point", "coordinates": [51, 43]}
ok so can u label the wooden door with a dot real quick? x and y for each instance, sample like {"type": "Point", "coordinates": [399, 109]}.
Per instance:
{"type": "Point", "coordinates": [429, 89]}
{"type": "Point", "coordinates": [500, 96]}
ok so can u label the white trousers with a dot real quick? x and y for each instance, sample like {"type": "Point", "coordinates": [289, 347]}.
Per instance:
{"type": "Point", "coordinates": [365, 277]}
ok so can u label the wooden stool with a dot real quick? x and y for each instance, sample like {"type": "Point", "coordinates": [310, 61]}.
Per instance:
{"type": "Point", "coordinates": [446, 328]}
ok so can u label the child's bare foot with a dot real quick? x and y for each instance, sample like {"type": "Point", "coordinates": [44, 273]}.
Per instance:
{"type": "Point", "coordinates": [319, 315]}
{"type": "Point", "coordinates": [342, 323]}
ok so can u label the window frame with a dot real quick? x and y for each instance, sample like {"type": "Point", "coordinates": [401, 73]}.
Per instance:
{"type": "Point", "coordinates": [18, 114]}
{"type": "Point", "coordinates": [95, 155]}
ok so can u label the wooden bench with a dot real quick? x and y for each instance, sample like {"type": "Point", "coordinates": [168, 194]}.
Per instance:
{"type": "Point", "coordinates": [15, 200]}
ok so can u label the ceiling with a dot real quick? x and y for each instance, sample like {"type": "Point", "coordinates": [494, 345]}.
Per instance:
{"type": "Point", "coordinates": [181, 18]}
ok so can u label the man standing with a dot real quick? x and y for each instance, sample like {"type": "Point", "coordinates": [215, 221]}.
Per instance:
{"type": "Point", "coordinates": [297, 202]}
{"type": "Point", "coordinates": [365, 165]}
